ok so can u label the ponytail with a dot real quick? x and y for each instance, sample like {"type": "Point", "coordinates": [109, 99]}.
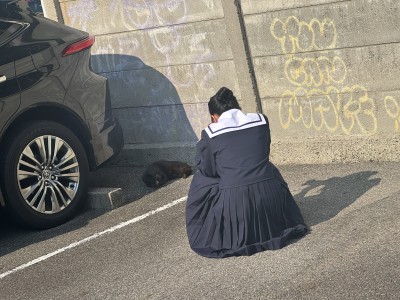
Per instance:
{"type": "Point", "coordinates": [222, 101]}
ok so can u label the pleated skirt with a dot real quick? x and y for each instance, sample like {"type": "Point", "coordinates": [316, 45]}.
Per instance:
{"type": "Point", "coordinates": [241, 220]}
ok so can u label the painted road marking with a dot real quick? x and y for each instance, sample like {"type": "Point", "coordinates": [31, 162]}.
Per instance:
{"type": "Point", "coordinates": [92, 237]}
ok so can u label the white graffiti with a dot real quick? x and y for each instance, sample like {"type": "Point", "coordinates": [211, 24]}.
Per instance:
{"type": "Point", "coordinates": [168, 41]}
{"type": "Point", "coordinates": [130, 15]}
{"type": "Point", "coordinates": [142, 14]}
{"type": "Point", "coordinates": [165, 40]}
{"type": "Point", "coordinates": [80, 13]}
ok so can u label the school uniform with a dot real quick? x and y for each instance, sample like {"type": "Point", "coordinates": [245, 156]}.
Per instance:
{"type": "Point", "coordinates": [238, 202]}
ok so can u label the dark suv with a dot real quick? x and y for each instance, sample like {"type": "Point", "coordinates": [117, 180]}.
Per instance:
{"type": "Point", "coordinates": [56, 122]}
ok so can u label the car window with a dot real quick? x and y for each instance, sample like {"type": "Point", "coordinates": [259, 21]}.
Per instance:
{"type": "Point", "coordinates": [8, 30]}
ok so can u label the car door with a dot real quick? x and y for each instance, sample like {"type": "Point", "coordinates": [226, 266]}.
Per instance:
{"type": "Point", "coordinates": [9, 87]}
{"type": "Point", "coordinates": [9, 91]}
{"type": "Point", "coordinates": [14, 64]}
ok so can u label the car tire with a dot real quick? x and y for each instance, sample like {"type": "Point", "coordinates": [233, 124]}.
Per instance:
{"type": "Point", "coordinates": [44, 175]}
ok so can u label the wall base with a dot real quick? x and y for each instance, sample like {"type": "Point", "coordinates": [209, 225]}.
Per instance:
{"type": "Point", "coordinates": [331, 150]}
{"type": "Point", "coordinates": [303, 151]}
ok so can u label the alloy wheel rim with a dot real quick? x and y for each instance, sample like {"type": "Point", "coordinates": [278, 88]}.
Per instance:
{"type": "Point", "coordinates": [48, 174]}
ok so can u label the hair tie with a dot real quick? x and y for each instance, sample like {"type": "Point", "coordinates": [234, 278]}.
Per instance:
{"type": "Point", "coordinates": [226, 101]}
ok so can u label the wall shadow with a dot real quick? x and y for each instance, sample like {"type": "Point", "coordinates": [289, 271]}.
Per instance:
{"type": "Point", "coordinates": [321, 200]}
{"type": "Point", "coordinates": [150, 111]}
{"type": "Point", "coordinates": [146, 102]}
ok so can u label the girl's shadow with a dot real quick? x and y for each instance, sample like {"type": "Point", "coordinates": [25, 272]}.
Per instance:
{"type": "Point", "coordinates": [321, 200]}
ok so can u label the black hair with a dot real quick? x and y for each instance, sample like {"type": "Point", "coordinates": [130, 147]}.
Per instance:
{"type": "Point", "coordinates": [222, 101]}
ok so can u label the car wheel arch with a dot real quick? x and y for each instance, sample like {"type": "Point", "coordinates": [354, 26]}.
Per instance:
{"type": "Point", "coordinates": [56, 114]}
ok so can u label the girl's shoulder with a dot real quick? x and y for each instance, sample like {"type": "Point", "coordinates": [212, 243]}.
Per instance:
{"type": "Point", "coordinates": [235, 121]}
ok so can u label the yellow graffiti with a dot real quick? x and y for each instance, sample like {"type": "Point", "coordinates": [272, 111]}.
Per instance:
{"type": "Point", "coordinates": [320, 101]}
{"type": "Point", "coordinates": [332, 109]}
{"type": "Point", "coordinates": [294, 34]}
{"type": "Point", "coordinates": [315, 71]}
{"type": "Point", "coordinates": [393, 110]}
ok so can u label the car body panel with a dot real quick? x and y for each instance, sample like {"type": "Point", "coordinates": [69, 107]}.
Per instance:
{"type": "Point", "coordinates": [9, 89]}
{"type": "Point", "coordinates": [47, 79]}
{"type": "Point", "coordinates": [40, 85]}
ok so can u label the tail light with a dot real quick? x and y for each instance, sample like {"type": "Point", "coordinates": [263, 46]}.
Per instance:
{"type": "Point", "coordinates": [79, 46]}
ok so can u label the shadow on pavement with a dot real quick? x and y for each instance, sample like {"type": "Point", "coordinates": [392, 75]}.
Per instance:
{"type": "Point", "coordinates": [14, 237]}
{"type": "Point", "coordinates": [128, 179]}
{"type": "Point", "coordinates": [321, 200]}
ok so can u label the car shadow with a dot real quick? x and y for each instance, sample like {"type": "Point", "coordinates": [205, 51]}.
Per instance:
{"type": "Point", "coordinates": [321, 200]}
{"type": "Point", "coordinates": [14, 236]}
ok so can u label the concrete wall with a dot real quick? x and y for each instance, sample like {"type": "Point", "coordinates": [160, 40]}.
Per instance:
{"type": "Point", "coordinates": [328, 75]}
{"type": "Point", "coordinates": [325, 72]}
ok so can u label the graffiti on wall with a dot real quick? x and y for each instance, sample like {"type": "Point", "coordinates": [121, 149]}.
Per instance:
{"type": "Point", "coordinates": [158, 23]}
{"type": "Point", "coordinates": [81, 13]}
{"type": "Point", "coordinates": [393, 110]}
{"type": "Point", "coordinates": [131, 14]}
{"type": "Point", "coordinates": [295, 35]}
{"type": "Point", "coordinates": [320, 98]}
{"type": "Point", "coordinates": [154, 53]}
{"type": "Point", "coordinates": [141, 14]}
{"type": "Point", "coordinates": [168, 40]}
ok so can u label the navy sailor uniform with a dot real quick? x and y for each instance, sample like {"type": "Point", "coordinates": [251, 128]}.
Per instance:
{"type": "Point", "coordinates": [238, 202]}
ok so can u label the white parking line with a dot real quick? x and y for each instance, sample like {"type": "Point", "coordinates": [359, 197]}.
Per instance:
{"type": "Point", "coordinates": [92, 237]}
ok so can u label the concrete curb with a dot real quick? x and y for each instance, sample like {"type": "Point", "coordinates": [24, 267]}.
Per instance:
{"type": "Point", "coordinates": [105, 198]}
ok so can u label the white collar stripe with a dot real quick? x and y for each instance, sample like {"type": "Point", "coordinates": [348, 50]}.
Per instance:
{"type": "Point", "coordinates": [234, 120]}
{"type": "Point", "coordinates": [238, 126]}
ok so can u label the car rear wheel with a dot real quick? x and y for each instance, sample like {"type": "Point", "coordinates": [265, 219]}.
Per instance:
{"type": "Point", "coordinates": [44, 175]}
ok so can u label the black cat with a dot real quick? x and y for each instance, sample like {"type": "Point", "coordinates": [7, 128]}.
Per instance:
{"type": "Point", "coordinates": [159, 172]}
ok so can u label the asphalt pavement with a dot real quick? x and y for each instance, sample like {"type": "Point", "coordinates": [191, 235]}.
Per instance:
{"type": "Point", "coordinates": [352, 210]}
{"type": "Point", "coordinates": [352, 252]}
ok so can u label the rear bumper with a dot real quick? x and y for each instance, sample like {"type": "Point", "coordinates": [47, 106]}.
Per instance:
{"type": "Point", "coordinates": [108, 143]}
